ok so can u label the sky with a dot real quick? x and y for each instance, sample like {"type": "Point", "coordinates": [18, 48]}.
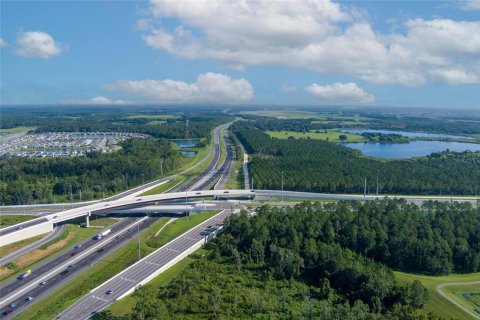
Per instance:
{"type": "Point", "coordinates": [303, 52]}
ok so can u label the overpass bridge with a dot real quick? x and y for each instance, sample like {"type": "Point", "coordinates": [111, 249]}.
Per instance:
{"type": "Point", "coordinates": [45, 224]}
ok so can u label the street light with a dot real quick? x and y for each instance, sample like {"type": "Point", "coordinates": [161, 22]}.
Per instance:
{"type": "Point", "coordinates": [143, 184]}
{"type": "Point", "coordinates": [282, 186]}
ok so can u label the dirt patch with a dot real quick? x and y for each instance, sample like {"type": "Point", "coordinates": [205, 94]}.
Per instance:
{"type": "Point", "coordinates": [39, 254]}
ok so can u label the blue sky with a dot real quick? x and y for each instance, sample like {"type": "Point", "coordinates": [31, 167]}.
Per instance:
{"type": "Point", "coordinates": [406, 53]}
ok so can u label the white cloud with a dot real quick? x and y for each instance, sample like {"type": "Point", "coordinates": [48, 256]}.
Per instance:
{"type": "Point", "coordinates": [209, 87]}
{"type": "Point", "coordinates": [348, 93]}
{"type": "Point", "coordinates": [38, 44]}
{"type": "Point", "coordinates": [3, 43]}
{"type": "Point", "coordinates": [316, 35]}
{"type": "Point", "coordinates": [471, 5]}
{"type": "Point", "coordinates": [97, 101]}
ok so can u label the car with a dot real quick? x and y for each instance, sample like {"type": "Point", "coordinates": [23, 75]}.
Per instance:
{"type": "Point", "coordinates": [28, 298]}
{"type": "Point", "coordinates": [12, 305]}
{"type": "Point", "coordinates": [43, 283]}
{"type": "Point", "coordinates": [55, 217]}
{"type": "Point", "coordinates": [78, 246]}
{"type": "Point", "coordinates": [110, 291]}
{"type": "Point", "coordinates": [71, 266]}
{"type": "Point", "coordinates": [226, 191]}
{"type": "Point", "coordinates": [7, 312]}
{"type": "Point", "coordinates": [139, 199]}
{"type": "Point", "coordinates": [64, 272]}
{"type": "Point", "coordinates": [198, 193]}
{"type": "Point", "coordinates": [73, 253]}
{"type": "Point", "coordinates": [100, 250]}
{"type": "Point", "coordinates": [19, 228]}
{"type": "Point", "coordinates": [107, 205]}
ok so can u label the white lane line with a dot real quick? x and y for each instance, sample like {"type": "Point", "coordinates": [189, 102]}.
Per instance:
{"type": "Point", "coordinates": [66, 264]}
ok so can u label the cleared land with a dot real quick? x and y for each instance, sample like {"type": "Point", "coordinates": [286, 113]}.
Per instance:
{"type": "Point", "coordinates": [437, 304]}
{"type": "Point", "coordinates": [327, 135]}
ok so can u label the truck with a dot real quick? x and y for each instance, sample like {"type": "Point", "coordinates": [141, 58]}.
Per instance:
{"type": "Point", "coordinates": [24, 275]}
{"type": "Point", "coordinates": [102, 234]}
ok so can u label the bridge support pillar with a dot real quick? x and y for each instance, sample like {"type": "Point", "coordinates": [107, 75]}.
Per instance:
{"type": "Point", "coordinates": [87, 220]}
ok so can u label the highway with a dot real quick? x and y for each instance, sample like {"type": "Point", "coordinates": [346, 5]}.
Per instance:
{"type": "Point", "coordinates": [131, 277]}
{"type": "Point", "coordinates": [14, 255]}
{"type": "Point", "coordinates": [51, 271]}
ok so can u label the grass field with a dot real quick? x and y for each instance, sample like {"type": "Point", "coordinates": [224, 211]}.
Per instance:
{"type": "Point", "coordinates": [57, 301]}
{"type": "Point", "coordinates": [156, 122]}
{"type": "Point", "coordinates": [328, 135]}
{"type": "Point", "coordinates": [467, 295]}
{"type": "Point", "coordinates": [10, 220]}
{"type": "Point", "coordinates": [439, 305]}
{"type": "Point", "coordinates": [16, 130]}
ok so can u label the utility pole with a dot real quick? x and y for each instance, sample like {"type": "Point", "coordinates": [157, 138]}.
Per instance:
{"type": "Point", "coordinates": [282, 186]}
{"type": "Point", "coordinates": [252, 184]}
{"type": "Point", "coordinates": [365, 188]}
{"type": "Point", "coordinates": [377, 183]}
{"type": "Point", "coordinates": [161, 167]}
{"type": "Point", "coordinates": [143, 183]}
{"type": "Point", "coordinates": [126, 180]}
{"type": "Point", "coordinates": [80, 191]}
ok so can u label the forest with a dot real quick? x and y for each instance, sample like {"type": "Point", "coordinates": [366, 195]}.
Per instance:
{"type": "Point", "coordinates": [321, 166]}
{"type": "Point", "coordinates": [320, 261]}
{"type": "Point", "coordinates": [40, 180]}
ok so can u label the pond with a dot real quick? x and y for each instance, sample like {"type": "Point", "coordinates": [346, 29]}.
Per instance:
{"type": "Point", "coordinates": [186, 143]}
{"type": "Point", "coordinates": [406, 133]}
{"type": "Point", "coordinates": [188, 153]}
{"type": "Point", "coordinates": [412, 149]}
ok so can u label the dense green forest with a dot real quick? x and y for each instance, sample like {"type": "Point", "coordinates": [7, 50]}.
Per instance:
{"type": "Point", "coordinates": [93, 120]}
{"type": "Point", "coordinates": [27, 180]}
{"type": "Point", "coordinates": [320, 166]}
{"type": "Point", "coordinates": [320, 261]}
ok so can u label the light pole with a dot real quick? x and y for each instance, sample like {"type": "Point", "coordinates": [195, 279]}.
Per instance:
{"type": "Point", "coordinates": [282, 186]}
{"type": "Point", "coordinates": [138, 235]}
{"type": "Point", "coordinates": [143, 183]}
{"type": "Point", "coordinates": [377, 183]}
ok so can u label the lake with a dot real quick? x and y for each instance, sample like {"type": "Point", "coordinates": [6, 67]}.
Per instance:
{"type": "Point", "coordinates": [412, 149]}
{"type": "Point", "coordinates": [186, 143]}
{"type": "Point", "coordinates": [406, 133]}
{"type": "Point", "coordinates": [188, 153]}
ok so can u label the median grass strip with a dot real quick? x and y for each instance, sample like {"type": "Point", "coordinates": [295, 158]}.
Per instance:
{"type": "Point", "coordinates": [12, 247]}
{"type": "Point", "coordinates": [61, 298]}
{"type": "Point", "coordinates": [438, 305]}
{"type": "Point", "coordinates": [10, 220]}
{"type": "Point", "coordinates": [163, 187]}
{"type": "Point", "coordinates": [71, 236]}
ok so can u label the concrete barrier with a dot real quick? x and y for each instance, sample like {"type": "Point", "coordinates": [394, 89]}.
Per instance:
{"type": "Point", "coordinates": [33, 231]}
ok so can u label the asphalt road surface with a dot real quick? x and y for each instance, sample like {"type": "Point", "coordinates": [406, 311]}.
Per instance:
{"type": "Point", "coordinates": [99, 299]}
{"type": "Point", "coordinates": [22, 225]}
{"type": "Point", "coordinates": [31, 286]}
{"type": "Point", "coordinates": [14, 255]}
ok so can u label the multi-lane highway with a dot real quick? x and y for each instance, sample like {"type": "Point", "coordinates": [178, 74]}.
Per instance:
{"type": "Point", "coordinates": [62, 268]}
{"type": "Point", "coordinates": [130, 278]}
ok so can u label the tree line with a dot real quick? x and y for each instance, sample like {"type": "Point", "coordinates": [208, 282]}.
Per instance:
{"type": "Point", "coordinates": [95, 175]}
{"type": "Point", "coordinates": [321, 166]}
{"type": "Point", "coordinates": [319, 261]}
